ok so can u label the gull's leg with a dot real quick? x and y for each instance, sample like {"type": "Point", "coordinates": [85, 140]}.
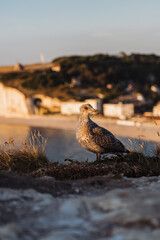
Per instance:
{"type": "Point", "coordinates": [98, 157]}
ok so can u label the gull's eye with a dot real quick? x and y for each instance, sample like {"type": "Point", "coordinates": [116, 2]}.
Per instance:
{"type": "Point", "coordinates": [86, 108]}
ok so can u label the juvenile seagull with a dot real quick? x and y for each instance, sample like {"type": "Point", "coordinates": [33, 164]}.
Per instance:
{"type": "Point", "coordinates": [94, 138]}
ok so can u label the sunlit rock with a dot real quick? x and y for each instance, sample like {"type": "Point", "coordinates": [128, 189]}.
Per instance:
{"type": "Point", "coordinates": [44, 104]}
{"type": "Point", "coordinates": [130, 213]}
{"type": "Point", "coordinates": [12, 102]}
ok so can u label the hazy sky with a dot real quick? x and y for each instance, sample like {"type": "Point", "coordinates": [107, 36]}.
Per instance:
{"type": "Point", "coordinates": [66, 27]}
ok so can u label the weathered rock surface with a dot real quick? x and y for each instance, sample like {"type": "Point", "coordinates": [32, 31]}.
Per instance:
{"type": "Point", "coordinates": [129, 213]}
{"type": "Point", "coordinates": [12, 102]}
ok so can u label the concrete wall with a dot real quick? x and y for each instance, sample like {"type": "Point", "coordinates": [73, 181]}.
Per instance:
{"type": "Point", "coordinates": [119, 110]}
{"type": "Point", "coordinates": [12, 102]}
{"type": "Point", "coordinates": [95, 103]}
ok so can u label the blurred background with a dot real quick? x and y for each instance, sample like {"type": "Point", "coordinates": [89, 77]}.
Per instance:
{"type": "Point", "coordinates": [57, 55]}
{"type": "Point", "coordinates": [58, 28]}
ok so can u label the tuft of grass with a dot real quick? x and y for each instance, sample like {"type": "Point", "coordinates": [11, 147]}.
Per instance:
{"type": "Point", "coordinates": [30, 157]}
{"type": "Point", "coordinates": [157, 146]}
{"type": "Point", "coordinates": [136, 145]}
{"type": "Point", "coordinates": [157, 150]}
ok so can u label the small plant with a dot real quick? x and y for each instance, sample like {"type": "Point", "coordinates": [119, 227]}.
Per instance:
{"type": "Point", "coordinates": [136, 145]}
{"type": "Point", "coordinates": [157, 146]}
{"type": "Point", "coordinates": [29, 158]}
{"type": "Point", "coordinates": [37, 144]}
{"type": "Point", "coordinates": [157, 149]}
{"type": "Point", "coordinates": [158, 133]}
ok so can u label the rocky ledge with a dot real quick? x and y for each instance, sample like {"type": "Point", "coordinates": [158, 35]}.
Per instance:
{"type": "Point", "coordinates": [100, 208]}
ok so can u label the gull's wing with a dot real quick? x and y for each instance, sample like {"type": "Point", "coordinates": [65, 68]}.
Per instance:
{"type": "Point", "coordinates": [107, 140]}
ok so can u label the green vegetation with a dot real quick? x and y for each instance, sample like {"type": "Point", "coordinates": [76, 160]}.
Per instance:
{"type": "Point", "coordinates": [46, 79]}
{"type": "Point", "coordinates": [34, 80]}
{"type": "Point", "coordinates": [102, 69]}
{"type": "Point", "coordinates": [93, 71]}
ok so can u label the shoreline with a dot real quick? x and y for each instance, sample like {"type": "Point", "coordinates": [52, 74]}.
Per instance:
{"type": "Point", "coordinates": [143, 130]}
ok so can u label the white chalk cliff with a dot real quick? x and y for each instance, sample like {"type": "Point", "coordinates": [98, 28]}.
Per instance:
{"type": "Point", "coordinates": [12, 102]}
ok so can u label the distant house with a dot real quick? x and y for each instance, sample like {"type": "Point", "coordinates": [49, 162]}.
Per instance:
{"type": "Point", "coordinates": [137, 99]}
{"type": "Point", "coordinates": [156, 110]}
{"type": "Point", "coordinates": [122, 55]}
{"type": "Point", "coordinates": [119, 110]}
{"type": "Point", "coordinates": [129, 88]}
{"type": "Point", "coordinates": [130, 98]}
{"type": "Point", "coordinates": [155, 88]}
{"type": "Point", "coordinates": [18, 67]}
{"type": "Point", "coordinates": [109, 86]}
{"type": "Point", "coordinates": [75, 82]}
{"type": "Point", "coordinates": [72, 107]}
{"type": "Point", "coordinates": [150, 78]}
{"type": "Point", "coordinates": [56, 67]}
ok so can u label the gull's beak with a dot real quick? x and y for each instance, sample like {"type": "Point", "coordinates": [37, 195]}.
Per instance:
{"type": "Point", "coordinates": [95, 111]}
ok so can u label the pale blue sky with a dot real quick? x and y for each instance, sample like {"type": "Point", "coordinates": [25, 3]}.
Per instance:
{"type": "Point", "coordinates": [66, 27]}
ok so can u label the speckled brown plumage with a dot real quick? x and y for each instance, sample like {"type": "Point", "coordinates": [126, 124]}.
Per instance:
{"type": "Point", "coordinates": [94, 138]}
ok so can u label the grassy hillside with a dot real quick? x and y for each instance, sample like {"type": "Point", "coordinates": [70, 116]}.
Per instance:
{"type": "Point", "coordinates": [102, 69]}
{"type": "Point", "coordinates": [93, 73]}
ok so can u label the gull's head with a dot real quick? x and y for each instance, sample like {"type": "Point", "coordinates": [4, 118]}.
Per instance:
{"type": "Point", "coordinates": [86, 109]}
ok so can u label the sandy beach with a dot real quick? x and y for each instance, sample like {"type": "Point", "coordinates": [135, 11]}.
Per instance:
{"type": "Point", "coordinates": [143, 130]}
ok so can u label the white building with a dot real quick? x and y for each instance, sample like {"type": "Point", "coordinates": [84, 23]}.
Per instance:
{"type": "Point", "coordinates": [72, 107]}
{"type": "Point", "coordinates": [155, 88]}
{"type": "Point", "coordinates": [56, 68]}
{"type": "Point", "coordinates": [75, 82]}
{"type": "Point", "coordinates": [119, 110]}
{"type": "Point", "coordinates": [156, 110]}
